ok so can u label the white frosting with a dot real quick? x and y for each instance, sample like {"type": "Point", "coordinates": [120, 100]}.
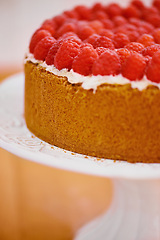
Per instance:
{"type": "Point", "coordinates": [92, 82]}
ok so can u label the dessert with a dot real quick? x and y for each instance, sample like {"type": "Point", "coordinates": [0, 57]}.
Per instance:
{"type": "Point", "coordinates": [92, 81]}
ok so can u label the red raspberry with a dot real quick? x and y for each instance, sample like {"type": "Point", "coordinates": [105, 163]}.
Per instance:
{"type": "Point", "coordinates": [59, 20]}
{"type": "Point", "coordinates": [84, 12]}
{"type": "Point", "coordinates": [108, 24]}
{"type": "Point", "coordinates": [154, 19]}
{"type": "Point", "coordinates": [146, 40]}
{"type": "Point", "coordinates": [66, 27]}
{"type": "Point", "coordinates": [138, 3]}
{"type": "Point", "coordinates": [42, 48]}
{"type": "Point", "coordinates": [71, 36]}
{"type": "Point", "coordinates": [107, 33]}
{"type": "Point", "coordinates": [108, 63]}
{"type": "Point", "coordinates": [84, 30]}
{"type": "Point", "coordinates": [99, 15]}
{"type": "Point", "coordinates": [150, 50]}
{"type": "Point", "coordinates": [37, 36]}
{"type": "Point", "coordinates": [123, 53]}
{"type": "Point", "coordinates": [120, 40]}
{"type": "Point", "coordinates": [149, 11]}
{"type": "Point", "coordinates": [103, 41]}
{"type": "Point", "coordinates": [91, 39]}
{"type": "Point", "coordinates": [100, 50]}
{"type": "Point", "coordinates": [97, 7]}
{"type": "Point", "coordinates": [135, 46]}
{"type": "Point", "coordinates": [71, 14]}
{"type": "Point", "coordinates": [153, 69]}
{"type": "Point", "coordinates": [66, 54]}
{"type": "Point", "coordinates": [156, 3]}
{"type": "Point", "coordinates": [96, 25]}
{"type": "Point", "coordinates": [113, 10]}
{"type": "Point", "coordinates": [131, 12]}
{"type": "Point", "coordinates": [83, 62]}
{"type": "Point", "coordinates": [119, 21]}
{"type": "Point", "coordinates": [134, 66]}
{"type": "Point", "coordinates": [130, 30]}
{"type": "Point", "coordinates": [52, 52]}
{"type": "Point", "coordinates": [156, 35]}
{"type": "Point", "coordinates": [50, 26]}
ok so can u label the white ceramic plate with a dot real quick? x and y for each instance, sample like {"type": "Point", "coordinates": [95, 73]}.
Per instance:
{"type": "Point", "coordinates": [17, 139]}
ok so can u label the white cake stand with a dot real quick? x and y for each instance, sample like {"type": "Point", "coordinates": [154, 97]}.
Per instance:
{"type": "Point", "coordinates": [135, 210]}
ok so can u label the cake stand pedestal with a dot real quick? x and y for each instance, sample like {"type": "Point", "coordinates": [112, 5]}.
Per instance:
{"type": "Point", "coordinates": [134, 213]}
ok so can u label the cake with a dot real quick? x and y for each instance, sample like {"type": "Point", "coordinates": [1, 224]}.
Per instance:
{"type": "Point", "coordinates": [92, 81]}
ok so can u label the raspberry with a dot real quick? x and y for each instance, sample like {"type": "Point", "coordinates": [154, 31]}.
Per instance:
{"type": "Point", "coordinates": [71, 14]}
{"type": "Point", "coordinates": [70, 36]}
{"type": "Point", "coordinates": [120, 40]}
{"type": "Point", "coordinates": [123, 53]}
{"type": "Point", "coordinates": [131, 12]}
{"type": "Point", "coordinates": [138, 3]}
{"type": "Point", "coordinates": [134, 66]}
{"type": "Point", "coordinates": [84, 30]}
{"type": "Point", "coordinates": [42, 48]}
{"type": "Point", "coordinates": [59, 20]}
{"type": "Point", "coordinates": [100, 15]}
{"type": "Point", "coordinates": [113, 10]}
{"type": "Point", "coordinates": [96, 25]}
{"type": "Point", "coordinates": [108, 24]}
{"type": "Point", "coordinates": [91, 39]}
{"type": "Point", "coordinates": [108, 63]}
{"type": "Point", "coordinates": [103, 41]}
{"type": "Point", "coordinates": [154, 19]}
{"type": "Point", "coordinates": [156, 35]}
{"type": "Point", "coordinates": [65, 54]}
{"type": "Point", "coordinates": [50, 26]}
{"type": "Point", "coordinates": [156, 3]}
{"type": "Point", "coordinates": [146, 40]}
{"type": "Point", "coordinates": [67, 27]}
{"type": "Point", "coordinates": [52, 52]}
{"type": "Point", "coordinates": [83, 62]}
{"type": "Point", "coordinates": [135, 46]}
{"type": "Point", "coordinates": [37, 36]}
{"type": "Point", "coordinates": [97, 7]}
{"type": "Point", "coordinates": [119, 21]}
{"type": "Point", "coordinates": [130, 30]}
{"type": "Point", "coordinates": [107, 33]}
{"type": "Point", "coordinates": [84, 12]}
{"type": "Point", "coordinates": [153, 69]}
{"type": "Point", "coordinates": [100, 50]}
{"type": "Point", "coordinates": [150, 50]}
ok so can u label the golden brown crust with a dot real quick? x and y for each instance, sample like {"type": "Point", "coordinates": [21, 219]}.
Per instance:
{"type": "Point", "coordinates": [117, 122]}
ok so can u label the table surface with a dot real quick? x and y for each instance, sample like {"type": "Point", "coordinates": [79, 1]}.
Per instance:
{"type": "Point", "coordinates": [40, 202]}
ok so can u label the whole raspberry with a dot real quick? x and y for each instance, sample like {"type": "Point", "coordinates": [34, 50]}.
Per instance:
{"type": "Point", "coordinates": [50, 26]}
{"type": "Point", "coordinates": [153, 69]}
{"type": "Point", "coordinates": [97, 7]}
{"type": "Point", "coordinates": [123, 53]}
{"type": "Point", "coordinates": [131, 12]}
{"type": "Point", "coordinates": [42, 48]}
{"type": "Point", "coordinates": [96, 25]}
{"type": "Point", "coordinates": [99, 15]}
{"type": "Point", "coordinates": [156, 35]}
{"type": "Point", "coordinates": [103, 41]}
{"type": "Point", "coordinates": [156, 3]}
{"type": "Point", "coordinates": [107, 33]}
{"type": "Point", "coordinates": [65, 55]}
{"type": "Point", "coordinates": [84, 30]}
{"type": "Point", "coordinates": [135, 46]}
{"type": "Point", "coordinates": [134, 66]}
{"type": "Point", "coordinates": [119, 21]}
{"type": "Point", "coordinates": [91, 39]}
{"type": "Point", "coordinates": [37, 36]}
{"type": "Point", "coordinates": [130, 30]}
{"type": "Point", "coordinates": [83, 62]}
{"type": "Point", "coordinates": [146, 40]}
{"type": "Point", "coordinates": [70, 36]}
{"type": "Point", "coordinates": [100, 50]}
{"type": "Point", "coordinates": [107, 23]}
{"type": "Point", "coordinates": [84, 12]}
{"type": "Point", "coordinates": [138, 3]}
{"type": "Point", "coordinates": [67, 27]}
{"type": "Point", "coordinates": [71, 14]}
{"type": "Point", "coordinates": [59, 20]}
{"type": "Point", "coordinates": [154, 19]}
{"type": "Point", "coordinates": [108, 63]}
{"type": "Point", "coordinates": [120, 40]}
{"type": "Point", "coordinates": [52, 52]}
{"type": "Point", "coordinates": [150, 50]}
{"type": "Point", "coordinates": [113, 10]}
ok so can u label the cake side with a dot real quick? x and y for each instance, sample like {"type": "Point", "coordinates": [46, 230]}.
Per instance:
{"type": "Point", "coordinates": [117, 122]}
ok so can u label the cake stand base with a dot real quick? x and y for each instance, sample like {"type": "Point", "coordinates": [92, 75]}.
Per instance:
{"type": "Point", "coordinates": [133, 215]}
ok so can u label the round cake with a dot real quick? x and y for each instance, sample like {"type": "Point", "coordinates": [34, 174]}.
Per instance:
{"type": "Point", "coordinates": [92, 81]}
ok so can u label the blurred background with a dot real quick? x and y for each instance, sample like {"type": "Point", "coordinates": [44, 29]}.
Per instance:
{"type": "Point", "coordinates": [38, 202]}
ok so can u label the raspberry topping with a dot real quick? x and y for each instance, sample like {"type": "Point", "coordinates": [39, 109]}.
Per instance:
{"type": "Point", "coordinates": [134, 66]}
{"type": "Point", "coordinates": [102, 40]}
{"type": "Point", "coordinates": [108, 63]}
{"type": "Point", "coordinates": [84, 60]}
